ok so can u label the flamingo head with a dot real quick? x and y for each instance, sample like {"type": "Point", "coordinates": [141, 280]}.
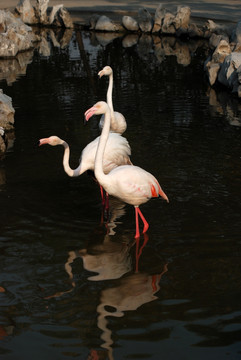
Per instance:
{"type": "Point", "coordinates": [52, 140]}
{"type": "Point", "coordinates": [99, 108]}
{"type": "Point", "coordinates": [107, 70]}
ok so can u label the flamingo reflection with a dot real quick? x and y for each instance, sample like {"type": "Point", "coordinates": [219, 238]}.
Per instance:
{"type": "Point", "coordinates": [132, 292]}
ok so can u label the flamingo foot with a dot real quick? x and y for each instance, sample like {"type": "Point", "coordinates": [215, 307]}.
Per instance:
{"type": "Point", "coordinates": [145, 223]}
{"type": "Point", "coordinates": [146, 227]}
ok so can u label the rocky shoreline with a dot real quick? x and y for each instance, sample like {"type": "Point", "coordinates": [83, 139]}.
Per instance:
{"type": "Point", "coordinates": [20, 34]}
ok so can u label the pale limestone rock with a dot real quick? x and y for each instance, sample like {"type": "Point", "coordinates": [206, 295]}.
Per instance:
{"type": "Point", "coordinates": [214, 40]}
{"type": "Point", "coordinates": [106, 24]}
{"type": "Point", "coordinates": [16, 36]}
{"type": "Point", "coordinates": [168, 24]}
{"type": "Point", "coordinates": [130, 23]}
{"type": "Point", "coordinates": [182, 17]}
{"type": "Point", "coordinates": [41, 11]}
{"type": "Point", "coordinates": [65, 18]}
{"type": "Point", "coordinates": [26, 12]}
{"type": "Point", "coordinates": [221, 51]}
{"type": "Point", "coordinates": [60, 17]}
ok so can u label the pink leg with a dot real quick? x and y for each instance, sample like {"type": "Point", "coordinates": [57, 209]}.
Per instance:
{"type": "Point", "coordinates": [146, 225]}
{"type": "Point", "coordinates": [137, 223]}
{"type": "Point", "coordinates": [102, 195]}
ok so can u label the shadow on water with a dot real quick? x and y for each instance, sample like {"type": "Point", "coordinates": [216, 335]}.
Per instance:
{"type": "Point", "coordinates": [76, 284]}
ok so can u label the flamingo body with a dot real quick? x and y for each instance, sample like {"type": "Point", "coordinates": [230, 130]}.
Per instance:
{"type": "Point", "coordinates": [118, 121]}
{"type": "Point", "coordinates": [131, 184]}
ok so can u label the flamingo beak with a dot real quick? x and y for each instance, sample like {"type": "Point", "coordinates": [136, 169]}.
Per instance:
{"type": "Point", "coordinates": [163, 195]}
{"type": "Point", "coordinates": [43, 141]}
{"type": "Point", "coordinates": [100, 73]}
{"type": "Point", "coordinates": [90, 112]}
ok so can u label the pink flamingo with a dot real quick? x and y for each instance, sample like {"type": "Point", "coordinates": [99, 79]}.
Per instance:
{"type": "Point", "coordinates": [117, 153]}
{"type": "Point", "coordinates": [130, 184]}
{"type": "Point", "coordinates": [118, 121]}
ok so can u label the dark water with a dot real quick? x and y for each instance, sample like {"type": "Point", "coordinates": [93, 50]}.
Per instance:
{"type": "Point", "coordinates": [76, 287]}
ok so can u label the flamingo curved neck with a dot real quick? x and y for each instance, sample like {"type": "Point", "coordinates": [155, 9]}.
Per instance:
{"type": "Point", "coordinates": [109, 95]}
{"type": "Point", "coordinates": [67, 168]}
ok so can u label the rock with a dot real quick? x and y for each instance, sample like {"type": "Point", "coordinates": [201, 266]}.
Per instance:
{"type": "Point", "coordinates": [106, 24]}
{"type": "Point", "coordinates": [145, 20]}
{"type": "Point", "coordinates": [26, 12]}
{"type": "Point", "coordinates": [229, 74]}
{"type": "Point", "coordinates": [159, 16]}
{"type": "Point", "coordinates": [215, 39]}
{"type": "Point", "coordinates": [129, 23]}
{"type": "Point", "coordinates": [237, 47]}
{"type": "Point", "coordinates": [221, 51]}
{"type": "Point", "coordinates": [168, 24]}
{"type": "Point", "coordinates": [6, 111]}
{"type": "Point", "coordinates": [65, 18]}
{"type": "Point", "coordinates": [60, 17]}
{"type": "Point", "coordinates": [53, 17]}
{"type": "Point", "coordinates": [41, 11]}
{"type": "Point", "coordinates": [93, 20]}
{"type": "Point", "coordinates": [16, 37]}
{"type": "Point", "coordinates": [195, 31]}
{"type": "Point", "coordinates": [182, 17]}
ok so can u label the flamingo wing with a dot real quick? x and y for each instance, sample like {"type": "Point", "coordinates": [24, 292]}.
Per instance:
{"type": "Point", "coordinates": [116, 153]}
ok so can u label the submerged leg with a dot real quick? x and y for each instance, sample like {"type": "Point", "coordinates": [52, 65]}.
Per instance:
{"type": "Point", "coordinates": [146, 225]}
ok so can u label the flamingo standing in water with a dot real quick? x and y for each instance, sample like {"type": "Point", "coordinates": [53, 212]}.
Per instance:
{"type": "Point", "coordinates": [130, 184]}
{"type": "Point", "coordinates": [117, 153]}
{"type": "Point", "coordinates": [118, 122]}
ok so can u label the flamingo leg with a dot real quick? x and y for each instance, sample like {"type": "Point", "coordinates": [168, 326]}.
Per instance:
{"type": "Point", "coordinates": [137, 223]}
{"type": "Point", "coordinates": [146, 225]}
{"type": "Point", "coordinates": [102, 195]}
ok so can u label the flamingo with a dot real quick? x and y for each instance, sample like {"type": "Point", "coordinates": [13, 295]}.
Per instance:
{"type": "Point", "coordinates": [131, 184]}
{"type": "Point", "coordinates": [117, 153]}
{"type": "Point", "coordinates": [118, 122]}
